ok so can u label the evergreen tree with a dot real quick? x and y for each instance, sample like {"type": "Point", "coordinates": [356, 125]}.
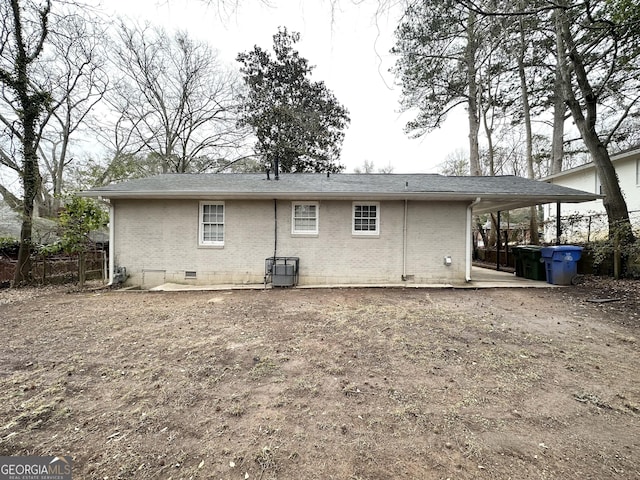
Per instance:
{"type": "Point", "coordinates": [297, 121]}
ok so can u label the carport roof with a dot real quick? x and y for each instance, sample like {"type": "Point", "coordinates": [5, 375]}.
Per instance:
{"type": "Point", "coordinates": [495, 193]}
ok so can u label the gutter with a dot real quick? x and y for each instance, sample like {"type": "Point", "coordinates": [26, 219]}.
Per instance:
{"type": "Point", "coordinates": [293, 195]}
{"type": "Point", "coordinates": [404, 243]}
{"type": "Point", "coordinates": [468, 245]}
{"type": "Point", "coordinates": [112, 237]}
{"type": "Point", "coordinates": [497, 201]}
{"type": "Point", "coordinates": [112, 243]}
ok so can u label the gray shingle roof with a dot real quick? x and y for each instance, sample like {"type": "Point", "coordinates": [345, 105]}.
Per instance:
{"type": "Point", "coordinates": [495, 192]}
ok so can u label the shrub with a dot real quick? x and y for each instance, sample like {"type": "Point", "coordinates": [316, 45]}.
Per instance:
{"type": "Point", "coordinates": [9, 246]}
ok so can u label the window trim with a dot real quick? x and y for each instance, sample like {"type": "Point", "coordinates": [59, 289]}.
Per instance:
{"type": "Point", "coordinates": [201, 241]}
{"type": "Point", "coordinates": [314, 232]}
{"type": "Point", "coordinates": [366, 233]}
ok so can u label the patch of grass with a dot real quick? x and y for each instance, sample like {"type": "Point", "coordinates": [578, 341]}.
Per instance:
{"type": "Point", "coordinates": [266, 458]}
{"type": "Point", "coordinates": [305, 386]}
{"type": "Point", "coordinates": [34, 415]}
{"type": "Point", "coordinates": [238, 405]}
{"type": "Point", "coordinates": [335, 369]}
{"type": "Point", "coordinates": [350, 389]}
{"type": "Point", "coordinates": [263, 368]}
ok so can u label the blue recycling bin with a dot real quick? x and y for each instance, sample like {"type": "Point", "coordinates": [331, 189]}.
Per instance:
{"type": "Point", "coordinates": [561, 263]}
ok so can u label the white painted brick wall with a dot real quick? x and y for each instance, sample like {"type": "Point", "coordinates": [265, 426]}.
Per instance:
{"type": "Point", "coordinates": [157, 241]}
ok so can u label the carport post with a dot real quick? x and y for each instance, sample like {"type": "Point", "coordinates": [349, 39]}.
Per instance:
{"type": "Point", "coordinates": [498, 241]}
{"type": "Point", "coordinates": [558, 224]}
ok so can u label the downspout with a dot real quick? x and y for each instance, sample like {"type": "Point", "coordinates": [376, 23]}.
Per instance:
{"type": "Point", "coordinates": [558, 223]}
{"type": "Point", "coordinates": [275, 229]}
{"type": "Point", "coordinates": [112, 243]}
{"type": "Point", "coordinates": [467, 275]}
{"type": "Point", "coordinates": [404, 243]}
{"type": "Point", "coordinates": [498, 242]}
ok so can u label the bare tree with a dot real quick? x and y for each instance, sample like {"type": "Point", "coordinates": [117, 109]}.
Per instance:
{"type": "Point", "coordinates": [174, 100]}
{"type": "Point", "coordinates": [455, 163]}
{"type": "Point", "coordinates": [24, 30]}
{"type": "Point", "coordinates": [367, 167]}
{"type": "Point", "coordinates": [73, 71]}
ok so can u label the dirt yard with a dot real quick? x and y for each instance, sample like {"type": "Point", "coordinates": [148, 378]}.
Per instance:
{"type": "Point", "coordinates": [326, 384]}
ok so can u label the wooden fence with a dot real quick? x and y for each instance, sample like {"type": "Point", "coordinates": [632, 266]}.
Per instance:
{"type": "Point", "coordinates": [56, 268]}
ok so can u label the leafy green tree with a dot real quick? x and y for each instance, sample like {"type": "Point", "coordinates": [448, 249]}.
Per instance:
{"type": "Point", "coordinates": [297, 121]}
{"type": "Point", "coordinates": [78, 219]}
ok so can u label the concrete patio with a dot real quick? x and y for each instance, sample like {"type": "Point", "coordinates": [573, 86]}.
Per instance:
{"type": "Point", "coordinates": [480, 278]}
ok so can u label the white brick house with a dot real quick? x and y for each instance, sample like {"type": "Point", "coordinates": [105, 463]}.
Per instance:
{"type": "Point", "coordinates": [593, 214]}
{"type": "Point", "coordinates": [345, 228]}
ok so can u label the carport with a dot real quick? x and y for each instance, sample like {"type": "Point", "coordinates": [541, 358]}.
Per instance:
{"type": "Point", "coordinates": [529, 197]}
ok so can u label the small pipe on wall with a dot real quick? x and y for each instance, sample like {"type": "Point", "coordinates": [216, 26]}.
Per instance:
{"type": "Point", "coordinates": [404, 243]}
{"type": "Point", "coordinates": [275, 228]}
{"type": "Point", "coordinates": [468, 244]}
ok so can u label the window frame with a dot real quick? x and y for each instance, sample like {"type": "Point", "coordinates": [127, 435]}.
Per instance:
{"type": "Point", "coordinates": [201, 223]}
{"type": "Point", "coordinates": [296, 232]}
{"type": "Point", "coordinates": [365, 233]}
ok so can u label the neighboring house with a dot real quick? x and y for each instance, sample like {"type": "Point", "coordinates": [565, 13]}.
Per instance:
{"type": "Point", "coordinates": [588, 220]}
{"type": "Point", "coordinates": [44, 230]}
{"type": "Point", "coordinates": [344, 228]}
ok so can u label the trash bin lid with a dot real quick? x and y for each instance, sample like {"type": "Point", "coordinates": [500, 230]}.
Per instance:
{"type": "Point", "coordinates": [532, 251]}
{"type": "Point", "coordinates": [564, 248]}
{"type": "Point", "coordinates": [559, 252]}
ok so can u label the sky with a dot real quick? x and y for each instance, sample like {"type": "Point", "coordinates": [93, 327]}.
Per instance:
{"type": "Point", "coordinates": [349, 47]}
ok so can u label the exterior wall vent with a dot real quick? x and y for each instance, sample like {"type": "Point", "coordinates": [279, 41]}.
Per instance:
{"type": "Point", "coordinates": [190, 274]}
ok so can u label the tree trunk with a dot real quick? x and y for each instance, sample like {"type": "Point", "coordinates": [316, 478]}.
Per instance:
{"type": "Point", "coordinates": [31, 105]}
{"type": "Point", "coordinates": [472, 103]}
{"type": "Point", "coordinates": [494, 236]}
{"type": "Point", "coordinates": [526, 111]}
{"type": "Point", "coordinates": [488, 131]}
{"type": "Point", "coordinates": [559, 110]}
{"type": "Point", "coordinates": [30, 182]}
{"type": "Point", "coordinates": [57, 176]}
{"type": "Point", "coordinates": [82, 268]}
{"type": "Point", "coordinates": [483, 232]}
{"type": "Point", "coordinates": [585, 117]}
{"type": "Point", "coordinates": [614, 202]}
{"type": "Point", "coordinates": [559, 107]}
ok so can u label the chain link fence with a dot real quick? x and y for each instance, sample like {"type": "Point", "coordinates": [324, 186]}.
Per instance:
{"type": "Point", "coordinates": [591, 230]}
{"type": "Point", "coordinates": [585, 228]}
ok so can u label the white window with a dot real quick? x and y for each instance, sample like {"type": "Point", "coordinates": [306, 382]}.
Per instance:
{"type": "Point", "coordinates": [211, 231]}
{"type": "Point", "coordinates": [304, 218]}
{"type": "Point", "coordinates": [366, 218]}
